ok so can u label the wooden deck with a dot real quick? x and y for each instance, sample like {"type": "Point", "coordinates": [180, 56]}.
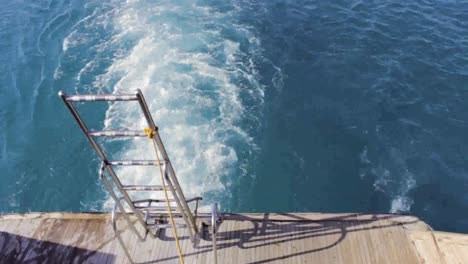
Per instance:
{"type": "Point", "coordinates": [242, 238]}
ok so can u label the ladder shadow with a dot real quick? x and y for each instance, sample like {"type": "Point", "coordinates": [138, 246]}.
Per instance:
{"type": "Point", "coordinates": [268, 231]}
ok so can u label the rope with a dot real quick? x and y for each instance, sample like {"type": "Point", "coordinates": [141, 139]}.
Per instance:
{"type": "Point", "coordinates": [150, 133]}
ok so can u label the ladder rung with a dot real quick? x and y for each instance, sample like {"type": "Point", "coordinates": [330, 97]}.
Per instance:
{"type": "Point", "coordinates": [138, 203]}
{"type": "Point", "coordinates": [117, 134]}
{"type": "Point", "coordinates": [101, 97]}
{"type": "Point", "coordinates": [135, 163]}
{"type": "Point", "coordinates": [142, 187]}
{"type": "Point", "coordinates": [156, 209]}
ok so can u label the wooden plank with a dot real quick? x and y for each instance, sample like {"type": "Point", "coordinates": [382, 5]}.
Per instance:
{"type": "Point", "coordinates": [453, 247]}
{"type": "Point", "coordinates": [242, 238]}
{"type": "Point", "coordinates": [426, 247]}
{"type": "Point", "coordinates": [129, 243]}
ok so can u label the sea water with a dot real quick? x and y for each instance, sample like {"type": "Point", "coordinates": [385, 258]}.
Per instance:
{"type": "Point", "coordinates": [264, 106]}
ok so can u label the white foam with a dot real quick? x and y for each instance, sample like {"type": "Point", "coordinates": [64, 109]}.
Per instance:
{"type": "Point", "coordinates": [189, 90]}
{"type": "Point", "coordinates": [400, 204]}
{"type": "Point", "coordinates": [392, 178]}
{"type": "Point", "coordinates": [69, 41]}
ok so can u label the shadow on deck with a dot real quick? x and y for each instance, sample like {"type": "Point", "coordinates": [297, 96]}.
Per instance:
{"type": "Point", "coordinates": [273, 232]}
{"type": "Point", "coordinates": [242, 238]}
{"type": "Point", "coordinates": [20, 249]}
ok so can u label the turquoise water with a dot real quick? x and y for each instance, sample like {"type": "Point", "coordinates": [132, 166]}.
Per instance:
{"type": "Point", "coordinates": [273, 106]}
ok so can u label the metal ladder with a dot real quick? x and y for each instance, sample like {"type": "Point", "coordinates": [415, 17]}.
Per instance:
{"type": "Point", "coordinates": [152, 216]}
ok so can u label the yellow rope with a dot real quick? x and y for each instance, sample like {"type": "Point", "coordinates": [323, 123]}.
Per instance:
{"type": "Point", "coordinates": [150, 133]}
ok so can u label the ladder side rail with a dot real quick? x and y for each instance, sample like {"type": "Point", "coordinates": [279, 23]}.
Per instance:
{"type": "Point", "coordinates": [101, 155]}
{"type": "Point", "coordinates": [161, 148]}
{"type": "Point", "coordinates": [125, 195]}
{"type": "Point", "coordinates": [117, 203]}
{"type": "Point", "coordinates": [158, 141]}
{"type": "Point", "coordinates": [82, 125]}
{"type": "Point", "coordinates": [146, 111]}
{"type": "Point", "coordinates": [186, 214]}
{"type": "Point", "coordinates": [180, 200]}
{"type": "Point", "coordinates": [175, 188]}
{"type": "Point", "coordinates": [170, 174]}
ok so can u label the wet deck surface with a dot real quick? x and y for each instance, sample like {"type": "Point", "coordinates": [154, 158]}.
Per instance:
{"type": "Point", "coordinates": [242, 238]}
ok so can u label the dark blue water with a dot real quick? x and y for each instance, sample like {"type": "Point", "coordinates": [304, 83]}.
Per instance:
{"type": "Point", "coordinates": [275, 106]}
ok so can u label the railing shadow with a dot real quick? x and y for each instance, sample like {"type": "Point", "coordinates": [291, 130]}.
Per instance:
{"type": "Point", "coordinates": [268, 231]}
{"type": "Point", "coordinates": [263, 231]}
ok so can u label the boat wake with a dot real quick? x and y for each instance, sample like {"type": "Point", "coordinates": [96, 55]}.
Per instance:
{"type": "Point", "coordinates": [194, 65]}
